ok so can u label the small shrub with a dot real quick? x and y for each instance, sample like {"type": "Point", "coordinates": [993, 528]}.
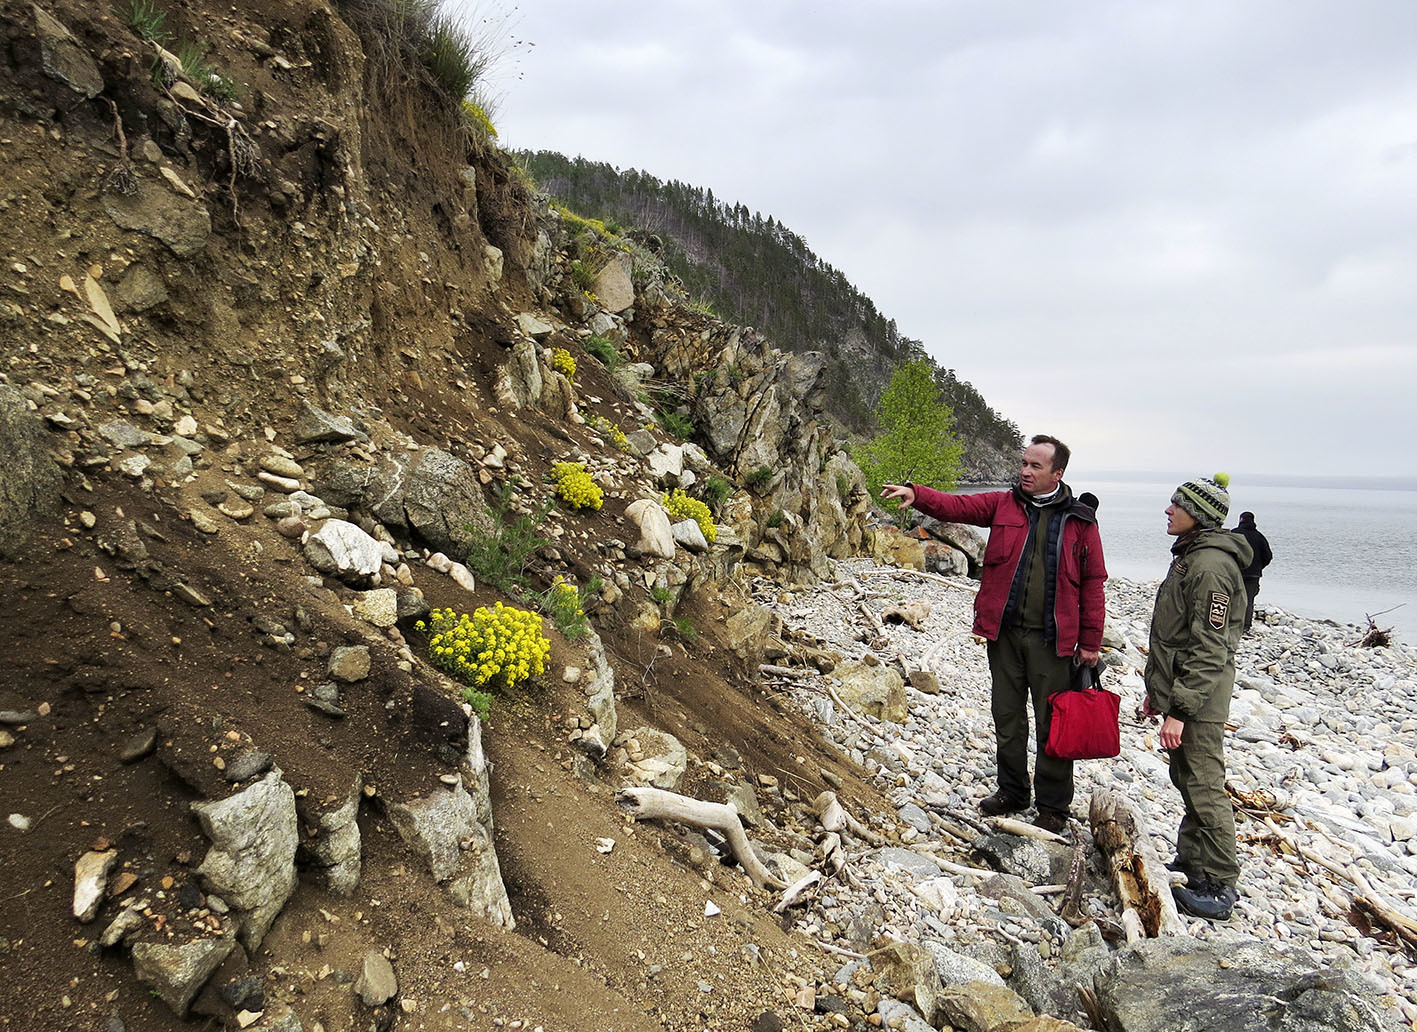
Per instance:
{"type": "Point", "coordinates": [759, 478]}
{"type": "Point", "coordinates": [480, 701]}
{"type": "Point", "coordinates": [604, 351]}
{"type": "Point", "coordinates": [498, 647]}
{"type": "Point", "coordinates": [476, 118]}
{"type": "Point", "coordinates": [661, 596]}
{"type": "Point", "coordinates": [575, 487]}
{"type": "Point", "coordinates": [146, 19]}
{"type": "Point", "coordinates": [565, 604]}
{"type": "Point", "coordinates": [681, 507]}
{"type": "Point", "coordinates": [775, 520]}
{"type": "Point", "coordinates": [500, 557]}
{"type": "Point", "coordinates": [716, 490]}
{"type": "Point", "coordinates": [676, 425]}
{"type": "Point", "coordinates": [683, 628]}
{"type": "Point", "coordinates": [563, 363]}
{"type": "Point", "coordinates": [581, 275]}
{"type": "Point", "coordinates": [193, 57]}
{"type": "Point", "coordinates": [702, 307]}
{"type": "Point", "coordinates": [612, 431]}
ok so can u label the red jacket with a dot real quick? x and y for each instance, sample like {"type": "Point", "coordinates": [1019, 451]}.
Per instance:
{"type": "Point", "coordinates": [1079, 606]}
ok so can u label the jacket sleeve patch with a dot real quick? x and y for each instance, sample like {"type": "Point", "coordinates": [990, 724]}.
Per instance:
{"type": "Point", "coordinates": [1219, 609]}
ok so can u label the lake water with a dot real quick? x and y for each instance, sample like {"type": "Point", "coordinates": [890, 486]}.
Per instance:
{"type": "Point", "coordinates": [1342, 549]}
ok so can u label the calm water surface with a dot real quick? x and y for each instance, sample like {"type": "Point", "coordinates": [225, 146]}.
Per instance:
{"type": "Point", "coordinates": [1340, 552]}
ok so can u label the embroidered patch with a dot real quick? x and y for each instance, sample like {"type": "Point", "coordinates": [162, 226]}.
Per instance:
{"type": "Point", "coordinates": [1219, 609]}
{"type": "Point", "coordinates": [1181, 567]}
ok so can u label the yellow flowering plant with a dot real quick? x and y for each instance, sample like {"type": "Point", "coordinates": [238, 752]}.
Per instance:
{"type": "Point", "coordinates": [563, 363]}
{"type": "Point", "coordinates": [682, 507]}
{"type": "Point", "coordinates": [501, 646]}
{"type": "Point", "coordinates": [575, 487]}
{"type": "Point", "coordinates": [612, 431]}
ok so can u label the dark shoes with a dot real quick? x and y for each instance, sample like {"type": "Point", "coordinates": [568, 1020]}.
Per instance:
{"type": "Point", "coordinates": [1180, 868]}
{"type": "Point", "coordinates": [999, 804]}
{"type": "Point", "coordinates": [1051, 820]}
{"type": "Point", "coordinates": [1205, 898]}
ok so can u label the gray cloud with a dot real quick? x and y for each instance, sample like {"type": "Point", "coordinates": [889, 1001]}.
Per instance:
{"type": "Point", "coordinates": [1178, 227]}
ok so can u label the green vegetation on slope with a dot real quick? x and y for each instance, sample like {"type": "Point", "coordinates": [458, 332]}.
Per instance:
{"type": "Point", "coordinates": [756, 271]}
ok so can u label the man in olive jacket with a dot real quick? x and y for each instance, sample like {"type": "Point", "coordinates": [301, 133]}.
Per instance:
{"type": "Point", "coordinates": [1190, 671]}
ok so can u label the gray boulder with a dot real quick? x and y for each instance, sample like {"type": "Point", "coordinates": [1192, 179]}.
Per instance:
{"type": "Point", "coordinates": [441, 498]}
{"type": "Point", "coordinates": [181, 224]}
{"type": "Point", "coordinates": [29, 490]}
{"type": "Point", "coordinates": [64, 58]}
{"type": "Point", "coordinates": [316, 426]}
{"type": "Point", "coordinates": [443, 829]}
{"type": "Point", "coordinates": [251, 864]}
{"type": "Point", "coordinates": [342, 549]}
{"type": "Point", "coordinates": [334, 851]}
{"type": "Point", "coordinates": [1181, 984]}
{"type": "Point", "coordinates": [376, 983]}
{"type": "Point", "coordinates": [612, 285]}
{"type": "Point", "coordinates": [875, 690]}
{"type": "Point", "coordinates": [177, 973]}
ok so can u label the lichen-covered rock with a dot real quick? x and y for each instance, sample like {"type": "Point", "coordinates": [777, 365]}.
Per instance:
{"type": "Point", "coordinates": [874, 690]}
{"type": "Point", "coordinates": [251, 864]}
{"type": "Point", "coordinates": [178, 972]}
{"type": "Point", "coordinates": [29, 490]}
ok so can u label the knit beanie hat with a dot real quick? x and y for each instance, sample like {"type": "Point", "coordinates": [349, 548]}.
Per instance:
{"type": "Point", "coordinates": [1205, 498]}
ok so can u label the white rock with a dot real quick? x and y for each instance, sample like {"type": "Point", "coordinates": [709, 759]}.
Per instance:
{"type": "Point", "coordinates": [656, 536]}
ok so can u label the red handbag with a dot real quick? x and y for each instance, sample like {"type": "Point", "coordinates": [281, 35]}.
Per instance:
{"type": "Point", "coordinates": [1083, 720]}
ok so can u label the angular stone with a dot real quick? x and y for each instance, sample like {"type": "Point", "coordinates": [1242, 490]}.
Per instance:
{"type": "Point", "coordinates": [876, 691]}
{"type": "Point", "coordinates": [656, 537]}
{"type": "Point", "coordinates": [342, 549]}
{"type": "Point", "coordinates": [316, 426]}
{"type": "Point", "coordinates": [664, 759]}
{"type": "Point", "coordinates": [534, 326]}
{"type": "Point", "coordinates": [64, 58]}
{"type": "Point", "coordinates": [980, 1007]}
{"type": "Point", "coordinates": [182, 225]}
{"type": "Point", "coordinates": [376, 983]}
{"type": "Point", "coordinates": [139, 290]}
{"type": "Point", "coordinates": [251, 864]}
{"type": "Point", "coordinates": [29, 490]}
{"type": "Point", "coordinates": [90, 879]}
{"type": "Point", "coordinates": [179, 972]}
{"type": "Point", "coordinates": [349, 663]}
{"type": "Point", "coordinates": [335, 851]}
{"type": "Point", "coordinates": [612, 285]}
{"type": "Point", "coordinates": [379, 607]}
{"type": "Point", "coordinates": [689, 534]}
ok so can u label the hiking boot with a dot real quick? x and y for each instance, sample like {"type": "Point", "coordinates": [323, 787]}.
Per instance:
{"type": "Point", "coordinates": [1205, 898]}
{"type": "Point", "coordinates": [999, 804]}
{"type": "Point", "coordinates": [1051, 820]}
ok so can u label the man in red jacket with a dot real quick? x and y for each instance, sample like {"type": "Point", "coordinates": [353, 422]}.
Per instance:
{"type": "Point", "coordinates": [1040, 607]}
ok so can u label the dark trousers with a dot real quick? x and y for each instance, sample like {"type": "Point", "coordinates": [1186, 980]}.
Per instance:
{"type": "Point", "coordinates": [1023, 665]}
{"type": "Point", "coordinates": [1252, 588]}
{"type": "Point", "coordinates": [1206, 841]}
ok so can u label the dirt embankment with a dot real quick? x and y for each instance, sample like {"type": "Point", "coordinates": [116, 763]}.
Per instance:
{"type": "Point", "coordinates": [181, 279]}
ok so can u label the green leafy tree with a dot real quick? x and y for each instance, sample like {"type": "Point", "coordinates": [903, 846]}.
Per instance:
{"type": "Point", "coordinates": [916, 443]}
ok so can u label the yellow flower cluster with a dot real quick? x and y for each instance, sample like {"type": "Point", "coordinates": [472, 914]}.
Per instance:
{"type": "Point", "coordinates": [575, 487]}
{"type": "Point", "coordinates": [612, 431]}
{"type": "Point", "coordinates": [681, 507]}
{"type": "Point", "coordinates": [502, 645]}
{"type": "Point", "coordinates": [563, 363]}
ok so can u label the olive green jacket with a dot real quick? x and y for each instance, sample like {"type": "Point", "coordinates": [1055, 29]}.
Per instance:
{"type": "Point", "coordinates": [1198, 619]}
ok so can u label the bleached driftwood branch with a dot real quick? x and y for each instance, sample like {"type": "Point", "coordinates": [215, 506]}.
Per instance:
{"type": "Point", "coordinates": [720, 817]}
{"type": "Point", "coordinates": [1024, 829]}
{"type": "Point", "coordinates": [1137, 874]}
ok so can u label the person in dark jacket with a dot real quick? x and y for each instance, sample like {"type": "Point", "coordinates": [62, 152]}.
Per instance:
{"type": "Point", "coordinates": [1190, 672]}
{"type": "Point", "coordinates": [1259, 544]}
{"type": "Point", "coordinates": [1040, 607]}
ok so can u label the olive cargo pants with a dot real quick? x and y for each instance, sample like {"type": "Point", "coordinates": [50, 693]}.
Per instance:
{"type": "Point", "coordinates": [1206, 841]}
{"type": "Point", "coordinates": [1023, 664]}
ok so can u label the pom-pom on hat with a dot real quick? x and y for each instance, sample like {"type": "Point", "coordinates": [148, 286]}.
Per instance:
{"type": "Point", "coordinates": [1205, 498]}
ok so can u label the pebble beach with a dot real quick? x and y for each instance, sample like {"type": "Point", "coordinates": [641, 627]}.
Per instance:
{"type": "Point", "coordinates": [1321, 756]}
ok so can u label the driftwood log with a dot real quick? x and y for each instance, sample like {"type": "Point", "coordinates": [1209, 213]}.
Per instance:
{"type": "Point", "coordinates": [698, 813]}
{"type": "Point", "coordinates": [1138, 876]}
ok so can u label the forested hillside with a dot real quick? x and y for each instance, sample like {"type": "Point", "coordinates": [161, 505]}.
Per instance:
{"type": "Point", "coordinates": [754, 270]}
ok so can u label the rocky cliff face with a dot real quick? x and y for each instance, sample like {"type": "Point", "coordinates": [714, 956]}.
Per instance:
{"type": "Point", "coordinates": [270, 366]}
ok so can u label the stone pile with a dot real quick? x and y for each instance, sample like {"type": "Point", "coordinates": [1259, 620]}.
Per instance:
{"type": "Point", "coordinates": [1320, 757]}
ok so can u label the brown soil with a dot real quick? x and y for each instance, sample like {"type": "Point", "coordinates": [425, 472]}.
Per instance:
{"type": "Point", "coordinates": [100, 643]}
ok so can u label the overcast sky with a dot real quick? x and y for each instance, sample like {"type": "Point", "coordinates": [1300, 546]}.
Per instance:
{"type": "Point", "coordinates": [1178, 235]}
